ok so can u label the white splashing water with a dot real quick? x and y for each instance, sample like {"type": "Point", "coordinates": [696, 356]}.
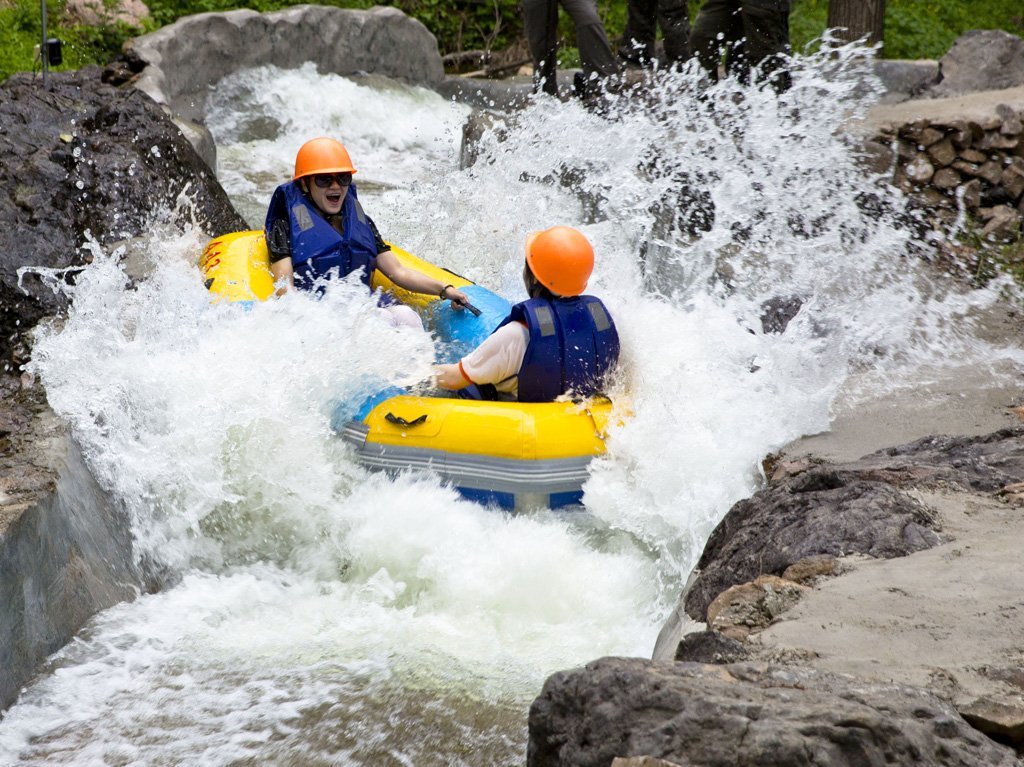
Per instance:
{"type": "Point", "coordinates": [316, 614]}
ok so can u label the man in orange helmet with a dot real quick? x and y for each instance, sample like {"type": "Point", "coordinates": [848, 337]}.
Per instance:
{"type": "Point", "coordinates": [557, 342]}
{"type": "Point", "coordinates": [317, 231]}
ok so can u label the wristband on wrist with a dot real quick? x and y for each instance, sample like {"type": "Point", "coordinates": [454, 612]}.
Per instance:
{"type": "Point", "coordinates": [444, 290]}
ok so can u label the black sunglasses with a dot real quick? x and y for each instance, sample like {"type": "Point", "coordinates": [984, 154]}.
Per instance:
{"type": "Point", "coordinates": [324, 180]}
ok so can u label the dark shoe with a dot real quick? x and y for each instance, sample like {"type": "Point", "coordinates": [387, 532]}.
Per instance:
{"type": "Point", "coordinates": [585, 88]}
{"type": "Point", "coordinates": [579, 85]}
{"type": "Point", "coordinates": [635, 56]}
{"type": "Point", "coordinates": [634, 62]}
{"type": "Point", "coordinates": [596, 94]}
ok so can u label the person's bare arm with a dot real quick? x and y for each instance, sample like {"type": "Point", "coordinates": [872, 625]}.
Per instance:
{"type": "Point", "coordinates": [417, 282]}
{"type": "Point", "coordinates": [284, 275]}
{"type": "Point", "coordinates": [450, 377]}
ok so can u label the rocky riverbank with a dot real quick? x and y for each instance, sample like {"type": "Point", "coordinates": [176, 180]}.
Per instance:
{"type": "Point", "coordinates": [79, 161]}
{"type": "Point", "coordinates": [65, 545]}
{"type": "Point", "coordinates": [857, 610]}
{"type": "Point", "coordinates": [879, 623]}
{"type": "Point", "coordinates": [866, 612]}
{"type": "Point", "coordinates": [94, 160]}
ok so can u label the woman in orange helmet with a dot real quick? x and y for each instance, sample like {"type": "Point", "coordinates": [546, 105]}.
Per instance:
{"type": "Point", "coordinates": [557, 342]}
{"type": "Point", "coordinates": [317, 231]}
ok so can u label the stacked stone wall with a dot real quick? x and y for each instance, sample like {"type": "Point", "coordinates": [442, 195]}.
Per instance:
{"type": "Point", "coordinates": [965, 166]}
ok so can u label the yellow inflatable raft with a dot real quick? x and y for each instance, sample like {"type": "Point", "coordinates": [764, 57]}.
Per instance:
{"type": "Point", "coordinates": [515, 455]}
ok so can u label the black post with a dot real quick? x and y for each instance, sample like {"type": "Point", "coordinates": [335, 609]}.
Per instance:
{"type": "Point", "coordinates": [43, 53]}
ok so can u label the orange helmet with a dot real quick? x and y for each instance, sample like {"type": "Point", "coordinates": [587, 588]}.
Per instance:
{"type": "Point", "coordinates": [322, 155]}
{"type": "Point", "coordinates": [561, 259]}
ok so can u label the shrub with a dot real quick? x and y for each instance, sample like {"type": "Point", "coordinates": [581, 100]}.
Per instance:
{"type": "Point", "coordinates": [913, 28]}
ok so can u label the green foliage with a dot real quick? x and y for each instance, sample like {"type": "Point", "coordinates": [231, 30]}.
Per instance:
{"type": "Point", "coordinates": [462, 25]}
{"type": "Point", "coordinates": [613, 16]}
{"type": "Point", "coordinates": [913, 28]}
{"type": "Point", "coordinates": [165, 12]}
{"type": "Point", "coordinates": [20, 30]}
{"type": "Point", "coordinates": [458, 24]}
{"type": "Point", "coordinates": [806, 23]}
{"type": "Point", "coordinates": [925, 29]}
{"type": "Point", "coordinates": [94, 44]}
{"type": "Point", "coordinates": [916, 29]}
{"type": "Point", "coordinates": [987, 259]}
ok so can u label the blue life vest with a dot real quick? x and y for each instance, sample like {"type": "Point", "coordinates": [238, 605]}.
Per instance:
{"type": "Point", "coordinates": [573, 346]}
{"type": "Point", "coordinates": [317, 247]}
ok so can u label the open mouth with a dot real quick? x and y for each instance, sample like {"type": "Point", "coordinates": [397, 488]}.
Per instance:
{"type": "Point", "coordinates": [333, 198]}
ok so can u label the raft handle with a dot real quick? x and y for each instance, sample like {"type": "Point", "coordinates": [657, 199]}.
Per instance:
{"type": "Point", "coordinates": [466, 305]}
{"type": "Point", "coordinates": [399, 421]}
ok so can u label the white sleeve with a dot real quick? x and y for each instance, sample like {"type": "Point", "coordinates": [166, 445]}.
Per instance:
{"type": "Point", "coordinates": [499, 357]}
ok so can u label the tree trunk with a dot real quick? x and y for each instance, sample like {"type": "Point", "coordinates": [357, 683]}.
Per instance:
{"type": "Point", "coordinates": [857, 18]}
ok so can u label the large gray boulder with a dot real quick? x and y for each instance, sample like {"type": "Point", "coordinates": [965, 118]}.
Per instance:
{"type": "Point", "coordinates": [65, 545]}
{"type": "Point", "coordinates": [79, 157]}
{"type": "Point", "coordinates": [822, 511]}
{"type": "Point", "coordinates": [742, 715]}
{"type": "Point", "coordinates": [981, 60]}
{"type": "Point", "coordinates": [862, 507]}
{"type": "Point", "coordinates": [185, 58]}
{"type": "Point", "coordinates": [904, 79]}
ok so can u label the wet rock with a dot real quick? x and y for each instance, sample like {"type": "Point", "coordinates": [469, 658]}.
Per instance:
{"type": "Point", "coordinates": [809, 571]}
{"type": "Point", "coordinates": [967, 168]}
{"type": "Point", "coordinates": [749, 607]}
{"type": "Point", "coordinates": [744, 714]}
{"type": "Point", "coordinates": [96, 12]}
{"type": "Point", "coordinates": [1012, 179]}
{"type": "Point", "coordinates": [934, 198]}
{"type": "Point", "coordinates": [711, 647]}
{"type": "Point", "coordinates": [820, 512]}
{"type": "Point", "coordinates": [943, 152]}
{"type": "Point", "coordinates": [979, 60]}
{"type": "Point", "coordinates": [919, 170]}
{"type": "Point", "coordinates": [778, 312]}
{"type": "Point", "coordinates": [945, 179]}
{"type": "Point", "coordinates": [487, 94]}
{"type": "Point", "coordinates": [481, 123]}
{"type": "Point", "coordinates": [904, 79]}
{"type": "Point", "coordinates": [985, 463]}
{"type": "Point", "coordinates": [1012, 676]}
{"type": "Point", "coordinates": [974, 156]}
{"type": "Point", "coordinates": [913, 131]}
{"type": "Point", "coordinates": [906, 150]}
{"type": "Point", "coordinates": [83, 157]}
{"type": "Point", "coordinates": [186, 58]}
{"type": "Point", "coordinates": [961, 134]}
{"type": "Point", "coordinates": [929, 137]}
{"type": "Point", "coordinates": [1011, 125]}
{"type": "Point", "coordinates": [991, 171]}
{"type": "Point", "coordinates": [65, 547]}
{"type": "Point", "coordinates": [1000, 719]}
{"type": "Point", "coordinates": [777, 470]}
{"type": "Point", "coordinates": [1003, 223]}
{"type": "Point", "coordinates": [854, 508]}
{"type": "Point", "coordinates": [994, 140]}
{"type": "Point", "coordinates": [877, 157]}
